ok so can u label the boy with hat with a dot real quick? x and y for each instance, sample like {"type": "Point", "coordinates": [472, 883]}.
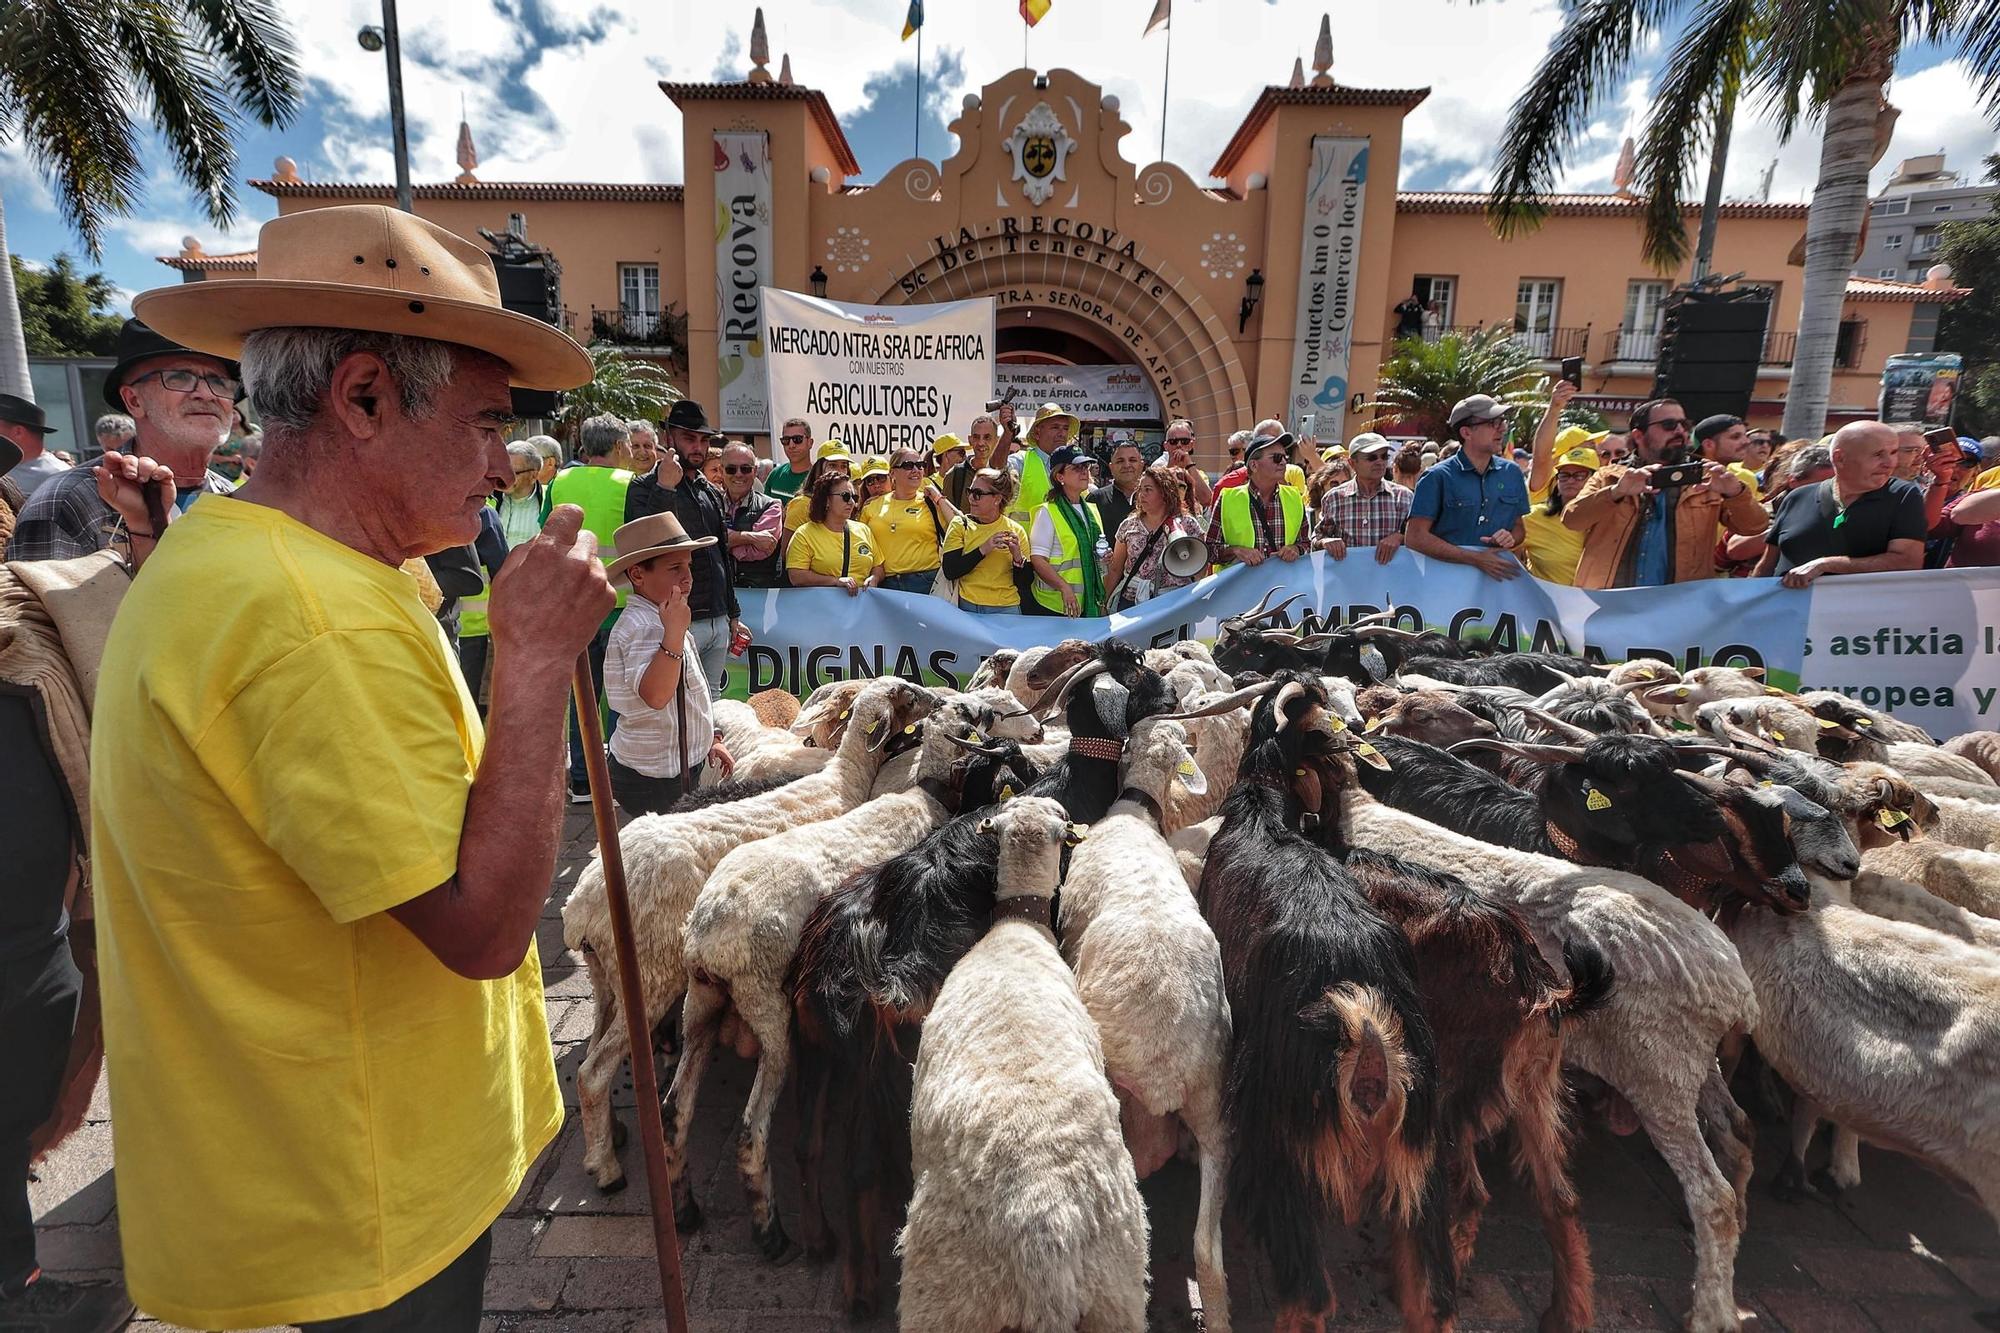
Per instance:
{"type": "Point", "coordinates": [182, 401]}
{"type": "Point", "coordinates": [653, 675]}
{"type": "Point", "coordinates": [23, 424]}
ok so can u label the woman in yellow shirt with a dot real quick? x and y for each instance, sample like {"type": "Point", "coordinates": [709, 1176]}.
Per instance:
{"type": "Point", "coordinates": [983, 547]}
{"type": "Point", "coordinates": [1552, 549]}
{"type": "Point", "coordinates": [831, 550]}
{"type": "Point", "coordinates": [908, 525]}
{"type": "Point", "coordinates": [830, 457]}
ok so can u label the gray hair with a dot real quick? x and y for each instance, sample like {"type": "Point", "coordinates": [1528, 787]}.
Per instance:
{"type": "Point", "coordinates": [1808, 458]}
{"type": "Point", "coordinates": [525, 451]}
{"type": "Point", "coordinates": [115, 423]}
{"type": "Point", "coordinates": [639, 425]}
{"type": "Point", "coordinates": [289, 371]}
{"type": "Point", "coordinates": [548, 446]}
{"type": "Point", "coordinates": [601, 434]}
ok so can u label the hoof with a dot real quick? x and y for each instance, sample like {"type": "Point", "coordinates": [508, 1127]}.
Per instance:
{"type": "Point", "coordinates": [773, 1243]}
{"type": "Point", "coordinates": [618, 1135]}
{"type": "Point", "coordinates": [862, 1307]}
{"type": "Point", "coordinates": [687, 1215]}
{"type": "Point", "coordinates": [863, 1292]}
{"type": "Point", "coordinates": [1789, 1186]}
{"type": "Point", "coordinates": [1824, 1182]}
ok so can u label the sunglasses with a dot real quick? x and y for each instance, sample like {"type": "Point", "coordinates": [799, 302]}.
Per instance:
{"type": "Point", "coordinates": [848, 496]}
{"type": "Point", "coordinates": [1180, 439]}
{"type": "Point", "coordinates": [1672, 423]}
{"type": "Point", "coordinates": [793, 439]}
{"type": "Point", "coordinates": [978, 493]}
{"type": "Point", "coordinates": [908, 465]}
{"type": "Point", "coordinates": [739, 469]}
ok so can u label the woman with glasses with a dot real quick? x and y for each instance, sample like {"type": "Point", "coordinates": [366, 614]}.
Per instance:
{"type": "Point", "coordinates": [907, 524]}
{"type": "Point", "coordinates": [1140, 547]}
{"type": "Point", "coordinates": [984, 549]}
{"type": "Point", "coordinates": [871, 478]}
{"type": "Point", "coordinates": [829, 459]}
{"type": "Point", "coordinates": [830, 549]}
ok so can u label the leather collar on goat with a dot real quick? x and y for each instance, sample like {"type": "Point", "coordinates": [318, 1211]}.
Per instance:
{"type": "Point", "coordinates": [1564, 843]}
{"type": "Point", "coordinates": [1096, 747]}
{"type": "Point", "coordinates": [1144, 801]}
{"type": "Point", "coordinates": [1025, 907]}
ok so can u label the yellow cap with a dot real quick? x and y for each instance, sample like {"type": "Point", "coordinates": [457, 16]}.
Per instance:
{"type": "Point", "coordinates": [875, 465]}
{"type": "Point", "coordinates": [1572, 436]}
{"type": "Point", "coordinates": [1581, 456]}
{"type": "Point", "coordinates": [830, 449]}
{"type": "Point", "coordinates": [944, 444]}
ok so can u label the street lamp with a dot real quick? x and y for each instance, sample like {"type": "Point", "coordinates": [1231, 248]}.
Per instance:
{"type": "Point", "coordinates": [387, 39]}
{"type": "Point", "coordinates": [818, 280]}
{"type": "Point", "coordinates": [1253, 292]}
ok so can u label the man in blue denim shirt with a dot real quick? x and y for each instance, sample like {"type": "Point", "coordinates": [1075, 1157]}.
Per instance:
{"type": "Point", "coordinates": [1467, 509]}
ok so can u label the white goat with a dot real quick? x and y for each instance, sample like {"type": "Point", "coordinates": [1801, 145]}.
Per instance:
{"type": "Point", "coordinates": [998, 716]}
{"type": "Point", "coordinates": [1929, 761]}
{"type": "Point", "coordinates": [1150, 972]}
{"type": "Point", "coordinates": [758, 751]}
{"type": "Point", "coordinates": [744, 927]}
{"type": "Point", "coordinates": [1972, 793]}
{"type": "Point", "coordinates": [1680, 991]}
{"type": "Point", "coordinates": [1026, 1213]}
{"type": "Point", "coordinates": [667, 859]}
{"type": "Point", "coordinates": [1960, 875]}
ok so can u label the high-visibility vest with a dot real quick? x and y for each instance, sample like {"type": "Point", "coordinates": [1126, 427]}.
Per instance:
{"type": "Point", "coordinates": [1071, 564]}
{"type": "Point", "coordinates": [600, 492]}
{"type": "Point", "coordinates": [1034, 487]}
{"type": "Point", "coordinates": [1240, 529]}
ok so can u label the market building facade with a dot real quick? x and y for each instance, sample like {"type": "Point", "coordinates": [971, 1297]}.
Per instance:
{"type": "Point", "coordinates": [1268, 291]}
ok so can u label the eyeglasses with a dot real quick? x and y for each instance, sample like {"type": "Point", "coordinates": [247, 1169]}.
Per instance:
{"type": "Point", "coordinates": [848, 496]}
{"type": "Point", "coordinates": [739, 469]}
{"type": "Point", "coordinates": [183, 381]}
{"type": "Point", "coordinates": [978, 492]}
{"type": "Point", "coordinates": [526, 471]}
{"type": "Point", "coordinates": [793, 439]}
{"type": "Point", "coordinates": [1672, 423]}
{"type": "Point", "coordinates": [1180, 439]}
{"type": "Point", "coordinates": [908, 465]}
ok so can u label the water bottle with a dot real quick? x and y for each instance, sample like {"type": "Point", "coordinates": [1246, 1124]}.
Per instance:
{"type": "Point", "coordinates": [1103, 549]}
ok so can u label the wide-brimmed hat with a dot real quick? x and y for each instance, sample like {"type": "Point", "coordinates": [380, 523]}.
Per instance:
{"type": "Point", "coordinates": [1479, 407]}
{"type": "Point", "coordinates": [21, 412]}
{"type": "Point", "coordinates": [1581, 455]}
{"type": "Point", "coordinates": [138, 343]}
{"type": "Point", "coordinates": [373, 268]}
{"type": "Point", "coordinates": [1053, 412]}
{"type": "Point", "coordinates": [687, 414]}
{"type": "Point", "coordinates": [643, 538]}
{"type": "Point", "coordinates": [1571, 437]}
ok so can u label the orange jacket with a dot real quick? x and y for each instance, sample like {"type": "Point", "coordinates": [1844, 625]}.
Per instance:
{"type": "Point", "coordinates": [1609, 523]}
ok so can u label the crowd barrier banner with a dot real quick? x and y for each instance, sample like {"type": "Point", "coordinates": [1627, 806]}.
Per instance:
{"type": "Point", "coordinates": [878, 377]}
{"type": "Point", "coordinates": [1920, 645]}
{"type": "Point", "coordinates": [806, 637]}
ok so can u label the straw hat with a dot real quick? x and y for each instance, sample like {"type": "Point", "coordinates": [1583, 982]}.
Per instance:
{"type": "Point", "coordinates": [373, 268]}
{"type": "Point", "coordinates": [1053, 412]}
{"type": "Point", "coordinates": [643, 538]}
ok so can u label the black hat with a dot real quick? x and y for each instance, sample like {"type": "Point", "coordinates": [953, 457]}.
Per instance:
{"type": "Point", "coordinates": [687, 414]}
{"type": "Point", "coordinates": [24, 413]}
{"type": "Point", "coordinates": [1066, 455]}
{"type": "Point", "coordinates": [137, 343]}
{"type": "Point", "coordinates": [1709, 427]}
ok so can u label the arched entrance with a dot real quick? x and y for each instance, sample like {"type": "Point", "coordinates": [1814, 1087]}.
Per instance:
{"type": "Point", "coordinates": [1107, 297]}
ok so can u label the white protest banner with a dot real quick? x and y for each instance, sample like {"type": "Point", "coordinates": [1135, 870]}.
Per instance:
{"type": "Point", "coordinates": [878, 376]}
{"type": "Point", "coordinates": [1329, 266]}
{"type": "Point", "coordinates": [1919, 644]}
{"type": "Point", "coordinates": [742, 270]}
{"type": "Point", "coordinates": [806, 637]}
{"type": "Point", "coordinates": [1101, 395]}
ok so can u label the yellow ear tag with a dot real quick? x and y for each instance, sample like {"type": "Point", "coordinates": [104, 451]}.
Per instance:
{"type": "Point", "coordinates": [1777, 735]}
{"type": "Point", "coordinates": [1890, 819]}
{"type": "Point", "coordinates": [1597, 800]}
{"type": "Point", "coordinates": [1334, 724]}
{"type": "Point", "coordinates": [1681, 693]}
{"type": "Point", "coordinates": [1773, 689]}
{"type": "Point", "coordinates": [1006, 791]}
{"type": "Point", "coordinates": [1298, 772]}
{"type": "Point", "coordinates": [1767, 783]}
{"type": "Point", "coordinates": [1371, 754]}
{"type": "Point", "coordinates": [1374, 723]}
{"type": "Point", "coordinates": [1188, 770]}
{"type": "Point", "coordinates": [910, 730]}
{"type": "Point", "coordinates": [845, 713]}
{"type": "Point", "coordinates": [1827, 724]}
{"type": "Point", "coordinates": [1864, 721]}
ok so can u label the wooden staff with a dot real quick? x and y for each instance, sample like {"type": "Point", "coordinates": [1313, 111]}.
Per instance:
{"type": "Point", "coordinates": [632, 998]}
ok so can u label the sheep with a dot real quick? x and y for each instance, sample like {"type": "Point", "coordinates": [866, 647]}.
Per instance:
{"type": "Point", "coordinates": [1496, 1008]}
{"type": "Point", "coordinates": [743, 927]}
{"type": "Point", "coordinates": [1650, 670]}
{"type": "Point", "coordinates": [1959, 875]}
{"type": "Point", "coordinates": [1149, 971]}
{"type": "Point", "coordinates": [1178, 653]}
{"type": "Point", "coordinates": [873, 954]}
{"type": "Point", "coordinates": [774, 708]}
{"type": "Point", "coordinates": [1680, 991]}
{"type": "Point", "coordinates": [758, 751]}
{"type": "Point", "coordinates": [1026, 1213]}
{"type": "Point", "coordinates": [1859, 717]}
{"type": "Point", "coordinates": [1981, 747]}
{"type": "Point", "coordinates": [1929, 762]}
{"type": "Point", "coordinates": [1766, 718]}
{"type": "Point", "coordinates": [1037, 668]}
{"type": "Point", "coordinates": [1972, 793]}
{"type": "Point", "coordinates": [1680, 699]}
{"type": "Point", "coordinates": [1000, 716]}
{"type": "Point", "coordinates": [1217, 727]}
{"type": "Point", "coordinates": [1332, 1088]}
{"type": "Point", "coordinates": [1965, 823]}
{"type": "Point", "coordinates": [667, 859]}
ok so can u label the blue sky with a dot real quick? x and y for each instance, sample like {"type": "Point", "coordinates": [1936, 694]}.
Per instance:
{"type": "Point", "coordinates": [566, 89]}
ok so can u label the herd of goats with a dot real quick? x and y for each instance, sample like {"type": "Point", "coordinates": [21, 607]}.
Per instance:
{"type": "Point", "coordinates": [1324, 912]}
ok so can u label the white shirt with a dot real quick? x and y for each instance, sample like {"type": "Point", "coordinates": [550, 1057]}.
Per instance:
{"type": "Point", "coordinates": [647, 740]}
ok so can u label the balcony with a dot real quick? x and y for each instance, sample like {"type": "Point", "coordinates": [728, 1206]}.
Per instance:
{"type": "Point", "coordinates": [1552, 344]}
{"type": "Point", "coordinates": [1778, 348]}
{"type": "Point", "coordinates": [630, 328]}
{"type": "Point", "coordinates": [1635, 346]}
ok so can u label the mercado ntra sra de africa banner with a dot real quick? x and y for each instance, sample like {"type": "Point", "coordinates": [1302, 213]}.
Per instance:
{"type": "Point", "coordinates": [1920, 645]}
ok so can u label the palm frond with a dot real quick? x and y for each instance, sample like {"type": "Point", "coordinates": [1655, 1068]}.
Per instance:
{"type": "Point", "coordinates": [61, 90]}
{"type": "Point", "coordinates": [251, 42]}
{"type": "Point", "coordinates": [170, 74]}
{"type": "Point", "coordinates": [1422, 380]}
{"type": "Point", "coordinates": [626, 386]}
{"type": "Point", "coordinates": [1706, 66]}
{"type": "Point", "coordinates": [1587, 61]}
{"type": "Point", "coordinates": [1813, 47]}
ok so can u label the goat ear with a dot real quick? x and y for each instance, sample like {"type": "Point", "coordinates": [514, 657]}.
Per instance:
{"type": "Point", "coordinates": [1755, 673]}
{"type": "Point", "coordinates": [1191, 776]}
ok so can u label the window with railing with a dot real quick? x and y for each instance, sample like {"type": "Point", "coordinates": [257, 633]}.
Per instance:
{"type": "Point", "coordinates": [1927, 242]}
{"type": "Point", "coordinates": [1851, 343]}
{"type": "Point", "coordinates": [1535, 301]}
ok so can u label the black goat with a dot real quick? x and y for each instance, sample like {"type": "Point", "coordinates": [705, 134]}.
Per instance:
{"type": "Point", "coordinates": [1534, 673]}
{"type": "Point", "coordinates": [733, 789]}
{"type": "Point", "coordinates": [874, 954]}
{"type": "Point", "coordinates": [1332, 1084]}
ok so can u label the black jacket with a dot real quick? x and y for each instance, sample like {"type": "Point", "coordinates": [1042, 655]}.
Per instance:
{"type": "Point", "coordinates": [699, 506]}
{"type": "Point", "coordinates": [755, 573]}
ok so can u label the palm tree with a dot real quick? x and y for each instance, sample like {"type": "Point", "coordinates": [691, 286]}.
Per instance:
{"type": "Point", "coordinates": [1796, 60]}
{"type": "Point", "coordinates": [628, 387]}
{"type": "Point", "coordinates": [1421, 380]}
{"type": "Point", "coordinates": [72, 75]}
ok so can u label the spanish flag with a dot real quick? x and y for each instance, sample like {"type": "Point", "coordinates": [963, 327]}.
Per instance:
{"type": "Point", "coordinates": [1034, 11]}
{"type": "Point", "coordinates": [914, 19]}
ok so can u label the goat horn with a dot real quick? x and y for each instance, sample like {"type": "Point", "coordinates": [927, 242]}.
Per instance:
{"type": "Point", "coordinates": [1261, 614]}
{"type": "Point", "coordinates": [1723, 751]}
{"type": "Point", "coordinates": [1540, 753]}
{"type": "Point", "coordinates": [1317, 640]}
{"type": "Point", "coordinates": [1058, 689]}
{"type": "Point", "coordinates": [1292, 690]}
{"type": "Point", "coordinates": [1556, 724]}
{"type": "Point", "coordinates": [1385, 632]}
{"type": "Point", "coordinates": [1372, 618]}
{"type": "Point", "coordinates": [1227, 703]}
{"type": "Point", "coordinates": [1748, 743]}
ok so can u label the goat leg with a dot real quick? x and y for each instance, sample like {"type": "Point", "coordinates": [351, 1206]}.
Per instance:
{"type": "Point", "coordinates": [812, 1089]}
{"type": "Point", "coordinates": [701, 1021]}
{"type": "Point", "coordinates": [1790, 1184]}
{"type": "Point", "coordinates": [1541, 1150]}
{"type": "Point", "coordinates": [1842, 1171]}
{"type": "Point", "coordinates": [1420, 1256]}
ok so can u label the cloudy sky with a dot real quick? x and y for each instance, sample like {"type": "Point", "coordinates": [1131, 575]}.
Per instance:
{"type": "Point", "coordinates": [567, 90]}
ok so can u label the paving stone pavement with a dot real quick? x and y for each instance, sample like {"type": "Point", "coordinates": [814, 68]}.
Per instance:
{"type": "Point", "coordinates": [1906, 1252]}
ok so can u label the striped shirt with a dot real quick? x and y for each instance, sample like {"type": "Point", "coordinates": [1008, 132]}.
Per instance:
{"type": "Point", "coordinates": [647, 739]}
{"type": "Point", "coordinates": [1364, 520]}
{"type": "Point", "coordinates": [67, 518]}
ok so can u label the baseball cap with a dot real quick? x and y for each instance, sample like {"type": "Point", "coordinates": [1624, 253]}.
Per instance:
{"type": "Point", "coordinates": [945, 443]}
{"type": "Point", "coordinates": [1479, 407]}
{"type": "Point", "coordinates": [1581, 455]}
{"type": "Point", "coordinates": [1571, 437]}
{"type": "Point", "coordinates": [1369, 442]}
{"type": "Point", "coordinates": [830, 448]}
{"type": "Point", "coordinates": [1258, 443]}
{"type": "Point", "coordinates": [1066, 455]}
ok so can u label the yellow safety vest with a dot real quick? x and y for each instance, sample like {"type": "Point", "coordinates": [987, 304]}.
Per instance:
{"type": "Point", "coordinates": [1034, 487]}
{"type": "Point", "coordinates": [1071, 564]}
{"type": "Point", "coordinates": [1240, 529]}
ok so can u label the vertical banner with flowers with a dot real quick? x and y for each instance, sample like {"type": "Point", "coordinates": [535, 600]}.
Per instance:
{"type": "Point", "coordinates": [742, 271]}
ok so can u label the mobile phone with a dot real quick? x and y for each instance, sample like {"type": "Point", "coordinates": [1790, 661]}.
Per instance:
{"type": "Point", "coordinates": [1941, 437]}
{"type": "Point", "coordinates": [1306, 424]}
{"type": "Point", "coordinates": [1679, 474]}
{"type": "Point", "coordinates": [1572, 370]}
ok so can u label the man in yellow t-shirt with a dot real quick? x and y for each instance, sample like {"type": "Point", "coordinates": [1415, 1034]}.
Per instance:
{"type": "Point", "coordinates": [908, 526]}
{"type": "Point", "coordinates": [317, 882]}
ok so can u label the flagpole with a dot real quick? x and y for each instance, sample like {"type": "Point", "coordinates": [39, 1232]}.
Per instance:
{"type": "Point", "coordinates": [1166, 75]}
{"type": "Point", "coordinates": [917, 120]}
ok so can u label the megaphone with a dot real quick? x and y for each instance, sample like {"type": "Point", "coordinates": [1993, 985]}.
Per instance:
{"type": "Point", "coordinates": [1186, 556]}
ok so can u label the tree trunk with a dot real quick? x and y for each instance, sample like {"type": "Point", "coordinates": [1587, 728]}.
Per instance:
{"type": "Point", "coordinates": [1833, 235]}
{"type": "Point", "coordinates": [13, 342]}
{"type": "Point", "coordinates": [1711, 204]}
